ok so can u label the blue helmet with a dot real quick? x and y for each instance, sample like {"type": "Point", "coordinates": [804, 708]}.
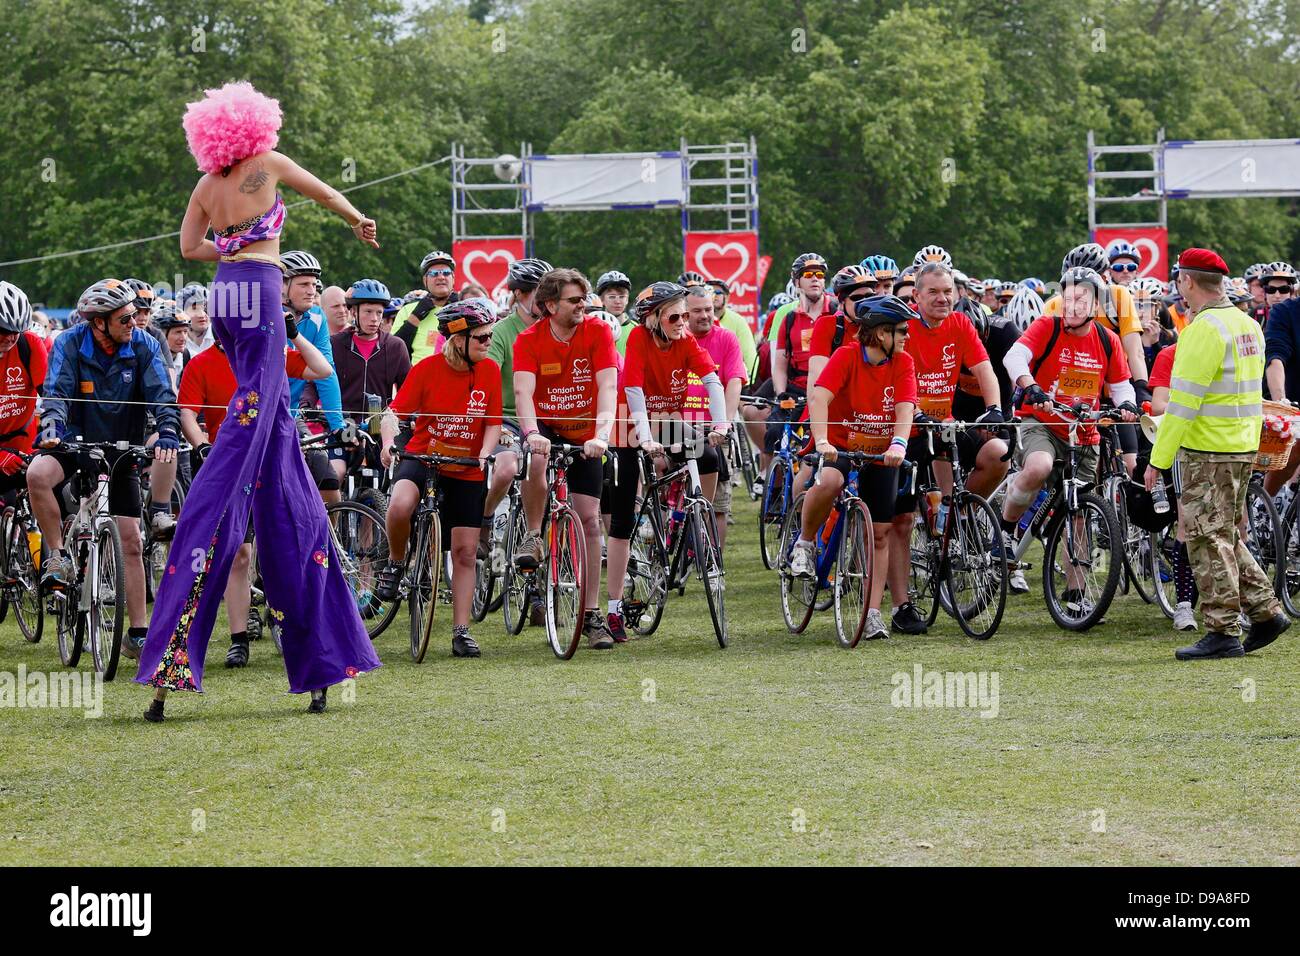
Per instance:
{"type": "Point", "coordinates": [1122, 249]}
{"type": "Point", "coordinates": [369, 290]}
{"type": "Point", "coordinates": [393, 307]}
{"type": "Point", "coordinates": [883, 267]}
{"type": "Point", "coordinates": [1036, 284]}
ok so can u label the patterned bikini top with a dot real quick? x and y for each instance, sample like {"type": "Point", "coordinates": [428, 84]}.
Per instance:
{"type": "Point", "coordinates": [266, 226]}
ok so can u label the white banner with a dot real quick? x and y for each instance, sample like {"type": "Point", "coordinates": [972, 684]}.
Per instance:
{"type": "Point", "coordinates": [614, 181]}
{"type": "Point", "coordinates": [1239, 168]}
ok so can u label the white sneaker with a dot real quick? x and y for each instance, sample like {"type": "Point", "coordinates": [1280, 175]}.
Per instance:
{"type": "Point", "coordinates": [161, 523]}
{"type": "Point", "coordinates": [875, 626]}
{"type": "Point", "coordinates": [1184, 619]}
{"type": "Point", "coordinates": [1017, 583]}
{"type": "Point", "coordinates": [801, 562]}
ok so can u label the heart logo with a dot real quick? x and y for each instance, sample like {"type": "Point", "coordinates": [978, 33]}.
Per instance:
{"type": "Point", "coordinates": [678, 378]}
{"type": "Point", "coordinates": [888, 394]}
{"type": "Point", "coordinates": [581, 367]}
{"type": "Point", "coordinates": [478, 397]}
{"type": "Point", "coordinates": [1150, 255]}
{"type": "Point", "coordinates": [721, 257]}
{"type": "Point", "coordinates": [490, 275]}
{"type": "Point", "coordinates": [949, 352]}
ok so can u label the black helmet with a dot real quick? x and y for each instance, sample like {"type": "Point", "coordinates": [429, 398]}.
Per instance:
{"type": "Point", "coordinates": [802, 262]}
{"type": "Point", "coordinates": [465, 315]}
{"type": "Point", "coordinates": [655, 296]}
{"type": "Point", "coordinates": [144, 294]}
{"type": "Point", "coordinates": [877, 310]}
{"type": "Point", "coordinates": [850, 278]}
{"type": "Point", "coordinates": [1090, 255]}
{"type": "Point", "coordinates": [609, 280]}
{"type": "Point", "coordinates": [692, 278]}
{"type": "Point", "coordinates": [166, 318]}
{"type": "Point", "coordinates": [1081, 275]}
{"type": "Point", "coordinates": [524, 275]}
{"type": "Point", "coordinates": [978, 317]}
{"type": "Point", "coordinates": [299, 263]}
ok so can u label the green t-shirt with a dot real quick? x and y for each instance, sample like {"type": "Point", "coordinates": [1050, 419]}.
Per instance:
{"type": "Point", "coordinates": [624, 330]}
{"type": "Point", "coordinates": [425, 342]}
{"type": "Point", "coordinates": [502, 351]}
{"type": "Point", "coordinates": [748, 352]}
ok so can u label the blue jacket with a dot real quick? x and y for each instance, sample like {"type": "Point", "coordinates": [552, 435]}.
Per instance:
{"type": "Point", "coordinates": [313, 325]}
{"type": "Point", "coordinates": [1282, 342]}
{"type": "Point", "coordinates": [136, 372]}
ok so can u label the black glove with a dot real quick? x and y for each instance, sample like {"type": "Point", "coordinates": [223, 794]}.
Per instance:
{"type": "Point", "coordinates": [290, 327]}
{"type": "Point", "coordinates": [1143, 391]}
{"type": "Point", "coordinates": [1034, 395]}
{"type": "Point", "coordinates": [422, 308]}
{"type": "Point", "coordinates": [202, 451]}
{"type": "Point", "coordinates": [992, 416]}
{"type": "Point", "coordinates": [1129, 407]}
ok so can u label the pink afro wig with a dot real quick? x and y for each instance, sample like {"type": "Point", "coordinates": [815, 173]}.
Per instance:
{"type": "Point", "coordinates": [231, 124]}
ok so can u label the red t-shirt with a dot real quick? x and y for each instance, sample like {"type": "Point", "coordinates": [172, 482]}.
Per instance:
{"type": "Point", "coordinates": [17, 400]}
{"type": "Point", "coordinates": [939, 354]}
{"type": "Point", "coordinates": [565, 395]}
{"type": "Point", "coordinates": [663, 374]}
{"type": "Point", "coordinates": [208, 384]}
{"type": "Point", "coordinates": [801, 349]}
{"type": "Point", "coordinates": [453, 410]}
{"type": "Point", "coordinates": [1162, 368]}
{"type": "Point", "coordinates": [861, 413]}
{"type": "Point", "coordinates": [1075, 370]}
{"type": "Point", "coordinates": [823, 334]}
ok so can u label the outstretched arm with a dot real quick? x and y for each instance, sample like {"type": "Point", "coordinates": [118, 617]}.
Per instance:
{"type": "Point", "coordinates": [294, 176]}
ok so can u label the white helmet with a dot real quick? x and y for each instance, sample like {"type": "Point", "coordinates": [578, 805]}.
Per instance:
{"type": "Point", "coordinates": [503, 304]}
{"type": "Point", "coordinates": [1148, 287]}
{"type": "Point", "coordinates": [609, 318]}
{"type": "Point", "coordinates": [927, 254]}
{"type": "Point", "coordinates": [15, 310]}
{"type": "Point", "coordinates": [1024, 307]}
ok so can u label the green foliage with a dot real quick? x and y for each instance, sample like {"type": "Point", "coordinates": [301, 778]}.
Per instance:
{"type": "Point", "coordinates": [881, 125]}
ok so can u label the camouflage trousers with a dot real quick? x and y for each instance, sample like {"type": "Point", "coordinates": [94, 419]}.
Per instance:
{"type": "Point", "coordinates": [1212, 502]}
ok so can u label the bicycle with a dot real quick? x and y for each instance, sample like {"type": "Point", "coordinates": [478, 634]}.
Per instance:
{"type": "Point", "coordinates": [1135, 543]}
{"type": "Point", "coordinates": [565, 563]}
{"type": "Point", "coordinates": [1083, 550]}
{"type": "Point", "coordinates": [90, 608]}
{"type": "Point", "coordinates": [22, 553]}
{"type": "Point", "coordinates": [778, 484]}
{"type": "Point", "coordinates": [674, 528]}
{"type": "Point", "coordinates": [843, 560]}
{"type": "Point", "coordinates": [953, 557]}
{"type": "Point", "coordinates": [745, 457]}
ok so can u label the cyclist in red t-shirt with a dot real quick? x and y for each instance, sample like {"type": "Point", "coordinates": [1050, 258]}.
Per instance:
{"type": "Point", "coordinates": [566, 380]}
{"type": "Point", "coordinates": [863, 401]}
{"type": "Point", "coordinates": [207, 385]}
{"type": "Point", "coordinates": [22, 379]}
{"type": "Point", "coordinates": [1076, 365]}
{"type": "Point", "coordinates": [661, 356]}
{"type": "Point", "coordinates": [455, 398]}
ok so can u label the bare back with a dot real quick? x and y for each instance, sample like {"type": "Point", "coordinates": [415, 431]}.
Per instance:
{"type": "Point", "coordinates": [246, 193]}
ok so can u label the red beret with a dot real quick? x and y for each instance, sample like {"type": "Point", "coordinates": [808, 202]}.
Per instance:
{"type": "Point", "coordinates": [1203, 260]}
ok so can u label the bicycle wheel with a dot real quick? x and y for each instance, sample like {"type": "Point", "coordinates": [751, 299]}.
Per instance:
{"type": "Point", "coordinates": [107, 599]}
{"type": "Point", "coordinates": [154, 552]}
{"type": "Point", "coordinates": [853, 568]}
{"type": "Point", "coordinates": [361, 541]}
{"type": "Point", "coordinates": [771, 513]}
{"type": "Point", "coordinates": [798, 595]}
{"type": "Point", "coordinates": [708, 562]}
{"type": "Point", "coordinates": [486, 571]}
{"type": "Point", "coordinates": [24, 589]}
{"type": "Point", "coordinates": [1134, 544]}
{"type": "Point", "coordinates": [514, 583]}
{"type": "Point", "coordinates": [1264, 534]}
{"type": "Point", "coordinates": [1082, 564]}
{"type": "Point", "coordinates": [6, 522]}
{"type": "Point", "coordinates": [566, 567]}
{"type": "Point", "coordinates": [748, 461]}
{"type": "Point", "coordinates": [69, 621]}
{"type": "Point", "coordinates": [372, 498]}
{"type": "Point", "coordinates": [925, 574]}
{"type": "Point", "coordinates": [975, 579]}
{"type": "Point", "coordinates": [1289, 592]}
{"type": "Point", "coordinates": [646, 585]}
{"type": "Point", "coordinates": [1160, 568]}
{"type": "Point", "coordinates": [422, 588]}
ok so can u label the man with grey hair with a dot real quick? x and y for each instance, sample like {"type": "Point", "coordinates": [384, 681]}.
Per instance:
{"type": "Point", "coordinates": [333, 302]}
{"type": "Point", "coordinates": [940, 344]}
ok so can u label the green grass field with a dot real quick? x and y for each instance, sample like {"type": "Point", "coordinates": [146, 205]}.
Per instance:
{"type": "Point", "coordinates": [781, 749]}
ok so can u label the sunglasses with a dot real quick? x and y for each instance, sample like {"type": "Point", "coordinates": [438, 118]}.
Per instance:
{"type": "Point", "coordinates": [902, 330]}
{"type": "Point", "coordinates": [1277, 289]}
{"type": "Point", "coordinates": [576, 300]}
{"type": "Point", "coordinates": [813, 274]}
{"type": "Point", "coordinates": [441, 272]}
{"type": "Point", "coordinates": [674, 319]}
{"type": "Point", "coordinates": [1123, 267]}
{"type": "Point", "coordinates": [125, 320]}
{"type": "Point", "coordinates": [857, 296]}
{"type": "Point", "coordinates": [483, 338]}
{"type": "Point", "coordinates": [906, 298]}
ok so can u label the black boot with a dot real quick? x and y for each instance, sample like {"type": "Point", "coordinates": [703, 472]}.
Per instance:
{"type": "Point", "coordinates": [1264, 633]}
{"type": "Point", "coordinates": [1212, 645]}
{"type": "Point", "coordinates": [317, 705]}
{"type": "Point", "coordinates": [237, 656]}
{"type": "Point", "coordinates": [155, 712]}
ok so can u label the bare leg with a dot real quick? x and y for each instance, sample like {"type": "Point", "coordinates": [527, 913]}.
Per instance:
{"type": "Point", "coordinates": [133, 569]}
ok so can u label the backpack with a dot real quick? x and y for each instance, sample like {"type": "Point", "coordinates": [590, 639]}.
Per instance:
{"type": "Point", "coordinates": [1051, 342]}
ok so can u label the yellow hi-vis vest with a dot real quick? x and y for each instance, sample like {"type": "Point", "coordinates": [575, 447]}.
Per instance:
{"type": "Point", "coordinates": [1214, 390]}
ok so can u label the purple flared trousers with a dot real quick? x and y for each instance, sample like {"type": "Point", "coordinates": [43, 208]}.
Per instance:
{"type": "Point", "coordinates": [255, 466]}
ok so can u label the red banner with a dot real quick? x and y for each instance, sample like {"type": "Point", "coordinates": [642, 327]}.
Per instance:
{"type": "Point", "coordinates": [1151, 242]}
{"type": "Point", "coordinates": [731, 257]}
{"type": "Point", "coordinates": [486, 261]}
